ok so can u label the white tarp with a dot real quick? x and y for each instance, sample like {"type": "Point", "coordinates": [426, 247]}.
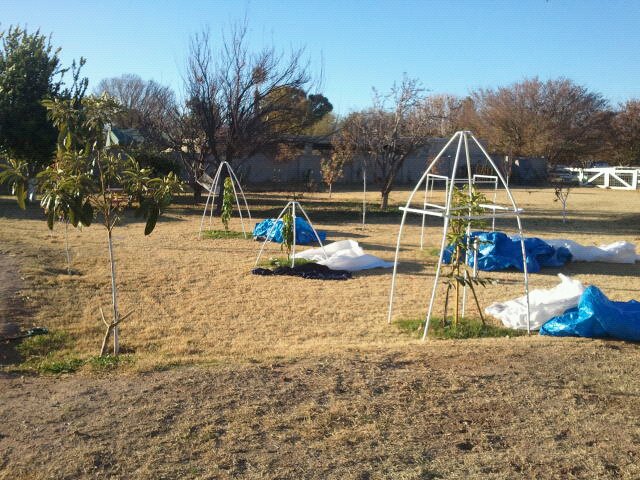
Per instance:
{"type": "Point", "coordinates": [543, 305]}
{"type": "Point", "coordinates": [616, 252]}
{"type": "Point", "coordinates": [344, 255]}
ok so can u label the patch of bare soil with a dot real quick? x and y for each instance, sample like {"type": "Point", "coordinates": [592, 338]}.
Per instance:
{"type": "Point", "coordinates": [11, 308]}
{"type": "Point", "coordinates": [501, 408]}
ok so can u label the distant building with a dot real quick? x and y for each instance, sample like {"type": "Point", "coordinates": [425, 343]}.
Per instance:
{"type": "Point", "coordinates": [306, 167]}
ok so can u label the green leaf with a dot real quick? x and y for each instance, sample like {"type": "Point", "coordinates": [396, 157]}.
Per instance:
{"type": "Point", "coordinates": [73, 218]}
{"type": "Point", "coordinates": [151, 221]}
{"type": "Point", "coordinates": [87, 214]}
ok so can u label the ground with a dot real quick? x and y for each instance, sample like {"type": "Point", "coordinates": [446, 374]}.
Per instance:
{"type": "Point", "coordinates": [229, 375]}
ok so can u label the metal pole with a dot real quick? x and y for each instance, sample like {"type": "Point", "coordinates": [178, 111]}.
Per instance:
{"type": "Point", "coordinates": [515, 209]}
{"type": "Point", "coordinates": [269, 232]}
{"type": "Point", "coordinates": [293, 250]}
{"type": "Point", "coordinates": [364, 192]}
{"type": "Point", "coordinates": [235, 194]}
{"type": "Point", "coordinates": [216, 180]}
{"type": "Point", "coordinates": [314, 231]}
{"type": "Point", "coordinates": [241, 192]}
{"type": "Point", "coordinates": [204, 214]}
{"type": "Point", "coordinates": [404, 215]}
{"type": "Point", "coordinates": [443, 243]}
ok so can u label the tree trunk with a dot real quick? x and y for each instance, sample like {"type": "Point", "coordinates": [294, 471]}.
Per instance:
{"type": "Point", "coordinates": [197, 192]}
{"type": "Point", "coordinates": [114, 295]}
{"type": "Point", "coordinates": [330, 185]}
{"type": "Point", "coordinates": [66, 246]}
{"type": "Point", "coordinates": [385, 200]}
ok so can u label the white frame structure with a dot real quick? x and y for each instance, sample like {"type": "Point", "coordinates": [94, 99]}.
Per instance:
{"type": "Point", "coordinates": [446, 212]}
{"type": "Point", "coordinates": [428, 195]}
{"type": "Point", "coordinates": [292, 204]}
{"type": "Point", "coordinates": [212, 187]}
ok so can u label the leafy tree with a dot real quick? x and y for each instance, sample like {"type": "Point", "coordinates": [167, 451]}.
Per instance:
{"type": "Point", "coordinates": [88, 177]}
{"type": "Point", "coordinates": [30, 71]}
{"type": "Point", "coordinates": [468, 203]}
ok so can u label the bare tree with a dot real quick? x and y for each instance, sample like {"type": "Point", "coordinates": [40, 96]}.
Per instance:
{"type": "Point", "coordinates": [387, 133]}
{"type": "Point", "coordinates": [556, 119]}
{"type": "Point", "coordinates": [624, 146]}
{"type": "Point", "coordinates": [148, 107]}
{"type": "Point", "coordinates": [441, 113]}
{"type": "Point", "coordinates": [242, 102]}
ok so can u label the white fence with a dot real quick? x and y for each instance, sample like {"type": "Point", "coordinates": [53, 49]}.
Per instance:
{"type": "Point", "coordinates": [622, 178]}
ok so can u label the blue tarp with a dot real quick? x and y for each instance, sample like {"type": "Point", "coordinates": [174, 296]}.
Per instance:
{"type": "Point", "coordinates": [304, 233]}
{"type": "Point", "coordinates": [597, 317]}
{"type": "Point", "coordinates": [498, 251]}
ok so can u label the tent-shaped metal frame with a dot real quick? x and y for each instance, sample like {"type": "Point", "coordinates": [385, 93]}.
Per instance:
{"type": "Point", "coordinates": [447, 212]}
{"type": "Point", "coordinates": [211, 185]}
{"type": "Point", "coordinates": [292, 205]}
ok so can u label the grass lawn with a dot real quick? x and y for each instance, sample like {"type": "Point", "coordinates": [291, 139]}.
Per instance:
{"type": "Point", "coordinates": [231, 375]}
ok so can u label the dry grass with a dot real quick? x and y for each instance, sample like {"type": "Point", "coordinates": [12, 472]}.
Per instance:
{"type": "Point", "coordinates": [304, 379]}
{"type": "Point", "coordinates": [494, 409]}
{"type": "Point", "coordinates": [196, 301]}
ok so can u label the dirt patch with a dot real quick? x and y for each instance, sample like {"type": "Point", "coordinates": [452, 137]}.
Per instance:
{"type": "Point", "coordinates": [11, 308]}
{"type": "Point", "coordinates": [475, 409]}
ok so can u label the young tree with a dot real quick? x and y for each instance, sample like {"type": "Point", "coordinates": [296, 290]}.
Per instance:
{"type": "Point", "coordinates": [242, 102]}
{"type": "Point", "coordinates": [89, 176]}
{"type": "Point", "coordinates": [332, 168]}
{"type": "Point", "coordinates": [387, 133]}
{"type": "Point", "coordinates": [30, 71]}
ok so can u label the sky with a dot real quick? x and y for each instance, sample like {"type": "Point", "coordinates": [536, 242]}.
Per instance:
{"type": "Point", "coordinates": [450, 46]}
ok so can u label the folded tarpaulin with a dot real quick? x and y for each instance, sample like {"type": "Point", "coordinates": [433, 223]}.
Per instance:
{"type": "Point", "coordinates": [616, 252]}
{"type": "Point", "coordinates": [544, 304]}
{"type": "Point", "coordinates": [304, 232]}
{"type": "Point", "coordinates": [344, 255]}
{"type": "Point", "coordinates": [597, 317]}
{"type": "Point", "coordinates": [498, 251]}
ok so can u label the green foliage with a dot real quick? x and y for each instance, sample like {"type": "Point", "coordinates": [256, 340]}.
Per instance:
{"type": "Point", "coordinates": [15, 174]}
{"type": "Point", "coordinates": [56, 367]}
{"type": "Point", "coordinates": [228, 198]}
{"type": "Point", "coordinates": [463, 329]}
{"type": "Point", "coordinates": [287, 232]}
{"type": "Point", "coordinates": [465, 202]}
{"type": "Point", "coordinates": [30, 71]}
{"type": "Point", "coordinates": [43, 345]}
{"type": "Point", "coordinates": [222, 234]}
{"type": "Point", "coordinates": [160, 164]}
{"type": "Point", "coordinates": [109, 362]}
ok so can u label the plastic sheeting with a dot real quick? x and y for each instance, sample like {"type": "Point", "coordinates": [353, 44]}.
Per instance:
{"type": "Point", "coordinates": [304, 232]}
{"type": "Point", "coordinates": [344, 255]}
{"type": "Point", "coordinates": [544, 304]}
{"type": "Point", "coordinates": [616, 252]}
{"type": "Point", "coordinates": [597, 317]}
{"type": "Point", "coordinates": [498, 251]}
